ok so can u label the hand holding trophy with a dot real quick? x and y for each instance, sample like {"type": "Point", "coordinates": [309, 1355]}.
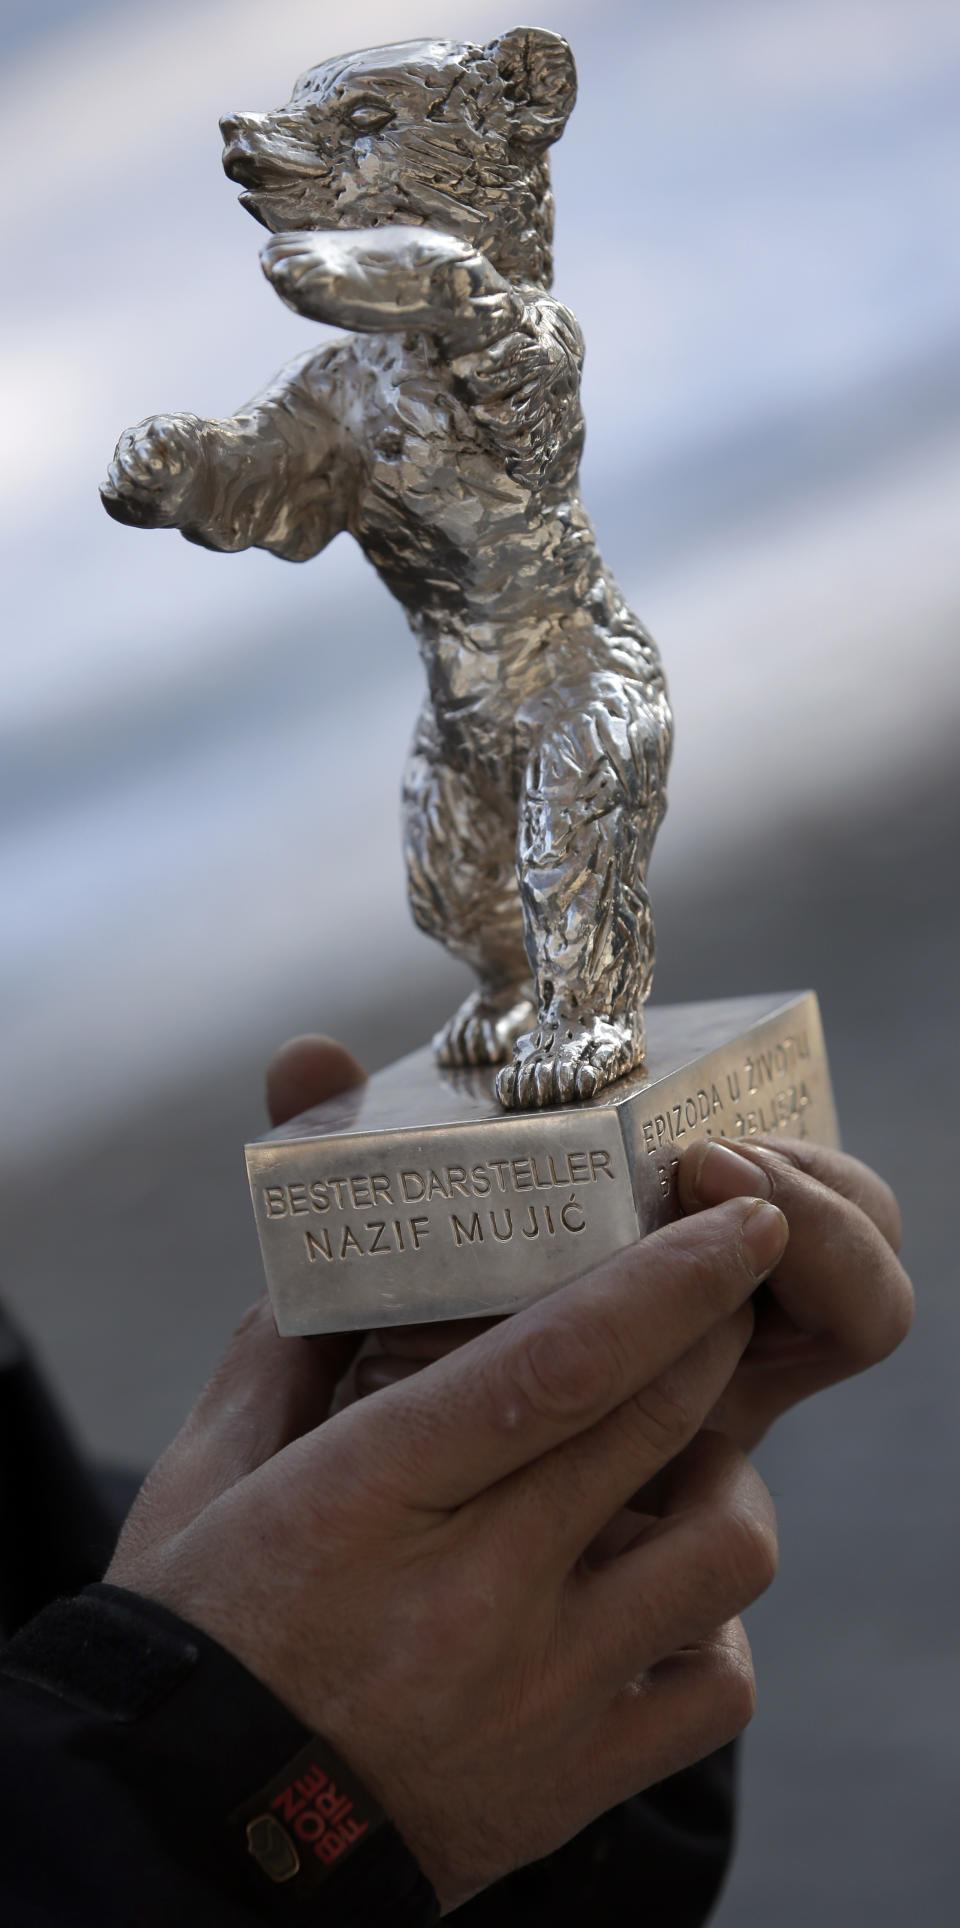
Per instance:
{"type": "Point", "coordinates": [407, 193]}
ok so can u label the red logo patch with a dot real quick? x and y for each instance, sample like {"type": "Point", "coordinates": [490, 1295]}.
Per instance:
{"type": "Point", "coordinates": [308, 1818]}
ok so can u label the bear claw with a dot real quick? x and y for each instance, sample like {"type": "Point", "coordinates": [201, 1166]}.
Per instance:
{"type": "Point", "coordinates": [485, 1027]}
{"type": "Point", "coordinates": [568, 1060]}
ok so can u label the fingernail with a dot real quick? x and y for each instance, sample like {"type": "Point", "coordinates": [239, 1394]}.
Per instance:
{"type": "Point", "coordinates": [763, 1236]}
{"type": "Point", "coordinates": [723, 1174]}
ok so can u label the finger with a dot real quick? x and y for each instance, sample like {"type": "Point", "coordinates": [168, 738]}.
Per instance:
{"type": "Point", "coordinates": [555, 1508]}
{"type": "Point", "coordinates": [684, 1709]}
{"type": "Point", "coordinates": [712, 1553]}
{"type": "Point", "coordinates": [265, 1393]}
{"type": "Point", "coordinates": [560, 1367]}
{"type": "Point", "coordinates": [307, 1070]}
{"type": "Point", "coordinates": [839, 1278]}
{"type": "Point", "coordinates": [836, 1169]}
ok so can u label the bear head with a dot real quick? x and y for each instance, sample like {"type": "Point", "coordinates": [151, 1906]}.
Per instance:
{"type": "Point", "coordinates": [426, 133]}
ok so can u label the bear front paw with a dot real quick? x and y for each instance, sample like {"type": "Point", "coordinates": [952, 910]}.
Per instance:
{"type": "Point", "coordinates": [482, 1031]}
{"type": "Point", "coordinates": [153, 470]}
{"type": "Point", "coordinates": [568, 1057]}
{"type": "Point", "coordinates": [300, 267]}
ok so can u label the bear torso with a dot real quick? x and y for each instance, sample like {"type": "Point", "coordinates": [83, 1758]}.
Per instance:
{"type": "Point", "coordinates": [465, 498]}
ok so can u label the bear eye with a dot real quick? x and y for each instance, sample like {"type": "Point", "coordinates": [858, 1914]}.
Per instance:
{"type": "Point", "coordinates": [369, 119]}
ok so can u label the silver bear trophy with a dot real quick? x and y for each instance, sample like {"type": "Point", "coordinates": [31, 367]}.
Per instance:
{"type": "Point", "coordinates": [407, 194]}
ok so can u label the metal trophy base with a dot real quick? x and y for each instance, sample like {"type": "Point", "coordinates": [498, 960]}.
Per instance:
{"type": "Point", "coordinates": [418, 1197]}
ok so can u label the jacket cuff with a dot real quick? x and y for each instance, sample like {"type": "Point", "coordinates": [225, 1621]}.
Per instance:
{"type": "Point", "coordinates": [233, 1784]}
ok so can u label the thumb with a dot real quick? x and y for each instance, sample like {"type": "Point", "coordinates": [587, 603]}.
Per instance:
{"type": "Point", "coordinates": [307, 1070]}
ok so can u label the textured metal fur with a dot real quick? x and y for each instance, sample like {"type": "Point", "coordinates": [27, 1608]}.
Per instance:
{"type": "Point", "coordinates": [407, 194]}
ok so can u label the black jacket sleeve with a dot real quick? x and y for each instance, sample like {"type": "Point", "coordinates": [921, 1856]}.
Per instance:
{"type": "Point", "coordinates": [148, 1778]}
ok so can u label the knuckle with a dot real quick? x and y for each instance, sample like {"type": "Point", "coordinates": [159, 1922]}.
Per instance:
{"type": "Point", "coordinates": [664, 1417]}
{"type": "Point", "coordinates": [890, 1329]}
{"type": "Point", "coordinates": [888, 1215]}
{"type": "Point", "coordinates": [903, 1308]}
{"type": "Point", "coordinates": [876, 1299]}
{"type": "Point", "coordinates": [561, 1371]}
{"type": "Point", "coordinates": [749, 1552]}
{"type": "Point", "coordinates": [848, 1177]}
{"type": "Point", "coordinates": [733, 1687]}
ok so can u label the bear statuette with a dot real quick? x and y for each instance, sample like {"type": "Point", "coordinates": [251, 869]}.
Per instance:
{"type": "Point", "coordinates": [407, 194]}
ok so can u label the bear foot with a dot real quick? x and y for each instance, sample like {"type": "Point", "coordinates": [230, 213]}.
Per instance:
{"type": "Point", "coordinates": [485, 1027]}
{"type": "Point", "coordinates": [569, 1056]}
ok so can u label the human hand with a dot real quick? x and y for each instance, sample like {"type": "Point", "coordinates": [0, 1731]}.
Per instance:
{"type": "Point", "coordinates": [153, 471]}
{"type": "Point", "coordinates": [838, 1302]}
{"type": "Point", "coordinates": [408, 1577]}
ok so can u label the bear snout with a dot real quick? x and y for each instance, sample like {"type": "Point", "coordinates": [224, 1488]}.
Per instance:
{"type": "Point", "coordinates": [267, 151]}
{"type": "Point", "coordinates": [240, 158]}
{"type": "Point", "coordinates": [240, 127]}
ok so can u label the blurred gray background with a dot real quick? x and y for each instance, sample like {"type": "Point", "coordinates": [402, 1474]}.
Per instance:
{"type": "Point", "coordinates": [200, 755]}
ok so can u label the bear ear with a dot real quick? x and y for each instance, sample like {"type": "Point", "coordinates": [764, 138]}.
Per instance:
{"type": "Point", "coordinates": [539, 83]}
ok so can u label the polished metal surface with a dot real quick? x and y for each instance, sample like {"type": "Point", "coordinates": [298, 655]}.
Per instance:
{"type": "Point", "coordinates": [416, 1197]}
{"type": "Point", "coordinates": [407, 193]}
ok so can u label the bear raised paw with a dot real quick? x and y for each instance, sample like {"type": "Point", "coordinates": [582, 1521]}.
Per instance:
{"type": "Point", "coordinates": [407, 193]}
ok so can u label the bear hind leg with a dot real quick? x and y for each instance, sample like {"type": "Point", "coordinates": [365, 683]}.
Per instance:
{"type": "Point", "coordinates": [593, 802]}
{"type": "Point", "coordinates": [462, 882]}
